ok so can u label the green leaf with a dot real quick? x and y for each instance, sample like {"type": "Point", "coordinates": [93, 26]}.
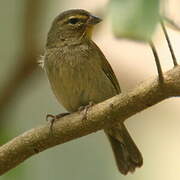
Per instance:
{"type": "Point", "coordinates": [134, 19]}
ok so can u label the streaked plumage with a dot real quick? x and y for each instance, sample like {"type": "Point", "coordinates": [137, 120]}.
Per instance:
{"type": "Point", "coordinates": [79, 73]}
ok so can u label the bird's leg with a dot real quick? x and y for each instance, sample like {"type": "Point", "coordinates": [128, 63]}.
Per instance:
{"type": "Point", "coordinates": [158, 65]}
{"type": "Point", "coordinates": [51, 118]}
{"type": "Point", "coordinates": [85, 109]}
{"type": "Point", "coordinates": [169, 43]}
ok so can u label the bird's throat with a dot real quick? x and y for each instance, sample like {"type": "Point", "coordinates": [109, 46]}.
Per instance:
{"type": "Point", "coordinates": [89, 31]}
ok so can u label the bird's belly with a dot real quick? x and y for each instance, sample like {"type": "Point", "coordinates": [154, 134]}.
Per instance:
{"type": "Point", "coordinates": [76, 86]}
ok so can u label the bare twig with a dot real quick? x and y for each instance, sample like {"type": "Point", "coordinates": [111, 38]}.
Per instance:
{"type": "Point", "coordinates": [169, 43]}
{"type": "Point", "coordinates": [109, 112]}
{"type": "Point", "coordinates": [157, 60]}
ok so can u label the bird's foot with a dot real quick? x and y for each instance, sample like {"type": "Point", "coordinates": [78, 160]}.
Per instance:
{"type": "Point", "coordinates": [52, 118]}
{"type": "Point", "coordinates": [85, 109]}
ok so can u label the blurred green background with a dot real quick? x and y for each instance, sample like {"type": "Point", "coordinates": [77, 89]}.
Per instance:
{"type": "Point", "coordinates": [26, 98]}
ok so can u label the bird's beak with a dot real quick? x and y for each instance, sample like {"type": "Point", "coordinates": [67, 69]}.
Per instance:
{"type": "Point", "coordinates": [94, 20]}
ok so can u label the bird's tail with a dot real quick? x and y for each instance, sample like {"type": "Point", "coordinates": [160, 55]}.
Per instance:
{"type": "Point", "coordinates": [126, 153]}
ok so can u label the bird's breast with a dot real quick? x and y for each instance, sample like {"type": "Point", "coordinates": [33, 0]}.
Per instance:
{"type": "Point", "coordinates": [77, 79]}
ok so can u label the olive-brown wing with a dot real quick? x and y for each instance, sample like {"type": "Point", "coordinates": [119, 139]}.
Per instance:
{"type": "Point", "coordinates": [106, 67]}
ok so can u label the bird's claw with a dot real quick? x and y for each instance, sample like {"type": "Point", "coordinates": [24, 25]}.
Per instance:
{"type": "Point", "coordinates": [52, 118]}
{"type": "Point", "coordinates": [85, 110]}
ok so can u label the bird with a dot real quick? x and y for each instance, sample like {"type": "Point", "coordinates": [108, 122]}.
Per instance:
{"type": "Point", "coordinates": [79, 73]}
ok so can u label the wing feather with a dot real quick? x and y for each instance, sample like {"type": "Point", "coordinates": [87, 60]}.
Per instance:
{"type": "Point", "coordinates": [106, 67]}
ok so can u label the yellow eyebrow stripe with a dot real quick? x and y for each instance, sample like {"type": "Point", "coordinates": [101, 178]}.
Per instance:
{"type": "Point", "coordinates": [79, 16]}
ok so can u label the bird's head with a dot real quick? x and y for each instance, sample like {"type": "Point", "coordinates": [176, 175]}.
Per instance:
{"type": "Point", "coordinates": [71, 26]}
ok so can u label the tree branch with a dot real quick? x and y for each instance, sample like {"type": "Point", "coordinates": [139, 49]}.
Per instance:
{"type": "Point", "coordinates": [26, 65]}
{"type": "Point", "coordinates": [111, 111]}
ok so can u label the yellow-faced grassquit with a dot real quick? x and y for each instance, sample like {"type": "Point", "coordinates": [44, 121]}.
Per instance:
{"type": "Point", "coordinates": [79, 73]}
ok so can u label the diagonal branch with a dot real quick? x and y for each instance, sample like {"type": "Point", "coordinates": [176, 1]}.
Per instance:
{"type": "Point", "coordinates": [26, 66]}
{"type": "Point", "coordinates": [116, 109]}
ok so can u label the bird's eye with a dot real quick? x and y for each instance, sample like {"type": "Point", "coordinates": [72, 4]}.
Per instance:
{"type": "Point", "coordinates": [73, 20]}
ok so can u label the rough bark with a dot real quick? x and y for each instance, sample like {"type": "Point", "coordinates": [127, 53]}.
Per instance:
{"type": "Point", "coordinates": [114, 110]}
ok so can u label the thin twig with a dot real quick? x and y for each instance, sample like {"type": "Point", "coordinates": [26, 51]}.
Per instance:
{"type": "Point", "coordinates": [169, 43]}
{"type": "Point", "coordinates": [157, 60]}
